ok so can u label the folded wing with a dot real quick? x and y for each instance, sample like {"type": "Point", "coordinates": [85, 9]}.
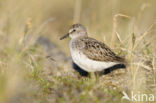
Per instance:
{"type": "Point", "coordinates": [98, 51]}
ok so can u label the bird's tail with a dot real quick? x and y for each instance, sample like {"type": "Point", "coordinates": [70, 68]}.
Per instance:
{"type": "Point", "coordinates": [122, 60]}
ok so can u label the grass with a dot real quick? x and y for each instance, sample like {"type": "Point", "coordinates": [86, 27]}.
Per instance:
{"type": "Point", "coordinates": [27, 75]}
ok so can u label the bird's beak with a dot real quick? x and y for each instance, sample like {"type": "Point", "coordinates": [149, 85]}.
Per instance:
{"type": "Point", "coordinates": [65, 36]}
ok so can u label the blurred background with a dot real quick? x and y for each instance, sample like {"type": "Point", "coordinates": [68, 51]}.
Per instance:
{"type": "Point", "coordinates": [26, 75]}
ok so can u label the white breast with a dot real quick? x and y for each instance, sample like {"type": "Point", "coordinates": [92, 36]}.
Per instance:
{"type": "Point", "coordinates": [87, 64]}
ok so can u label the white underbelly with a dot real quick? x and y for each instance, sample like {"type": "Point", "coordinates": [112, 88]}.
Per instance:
{"type": "Point", "coordinates": [87, 64]}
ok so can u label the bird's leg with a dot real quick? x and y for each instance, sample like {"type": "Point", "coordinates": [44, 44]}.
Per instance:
{"type": "Point", "coordinates": [93, 76]}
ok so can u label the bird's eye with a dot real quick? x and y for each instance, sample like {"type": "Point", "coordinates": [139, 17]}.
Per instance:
{"type": "Point", "coordinates": [74, 30]}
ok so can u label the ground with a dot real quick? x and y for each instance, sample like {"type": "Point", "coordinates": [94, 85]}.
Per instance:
{"type": "Point", "coordinates": [36, 67]}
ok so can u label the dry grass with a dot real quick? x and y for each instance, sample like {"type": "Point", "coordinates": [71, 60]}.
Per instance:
{"type": "Point", "coordinates": [26, 75]}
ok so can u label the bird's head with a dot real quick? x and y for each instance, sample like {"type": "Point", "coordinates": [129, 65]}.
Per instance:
{"type": "Point", "coordinates": [76, 30]}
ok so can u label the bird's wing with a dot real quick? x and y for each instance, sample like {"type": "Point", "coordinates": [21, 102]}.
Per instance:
{"type": "Point", "coordinates": [98, 51]}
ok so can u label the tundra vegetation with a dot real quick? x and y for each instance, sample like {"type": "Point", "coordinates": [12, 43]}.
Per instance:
{"type": "Point", "coordinates": [35, 66]}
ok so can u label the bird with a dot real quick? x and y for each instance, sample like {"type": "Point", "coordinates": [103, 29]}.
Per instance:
{"type": "Point", "coordinates": [88, 53]}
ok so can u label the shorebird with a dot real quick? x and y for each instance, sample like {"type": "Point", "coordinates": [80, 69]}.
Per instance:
{"type": "Point", "coordinates": [90, 54]}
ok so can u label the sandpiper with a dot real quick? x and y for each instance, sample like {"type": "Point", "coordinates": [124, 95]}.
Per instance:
{"type": "Point", "coordinates": [88, 53]}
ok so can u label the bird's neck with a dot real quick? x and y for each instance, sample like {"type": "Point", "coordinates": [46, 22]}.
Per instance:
{"type": "Point", "coordinates": [81, 36]}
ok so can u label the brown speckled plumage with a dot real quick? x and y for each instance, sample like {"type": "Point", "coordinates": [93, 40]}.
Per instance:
{"type": "Point", "coordinates": [96, 50]}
